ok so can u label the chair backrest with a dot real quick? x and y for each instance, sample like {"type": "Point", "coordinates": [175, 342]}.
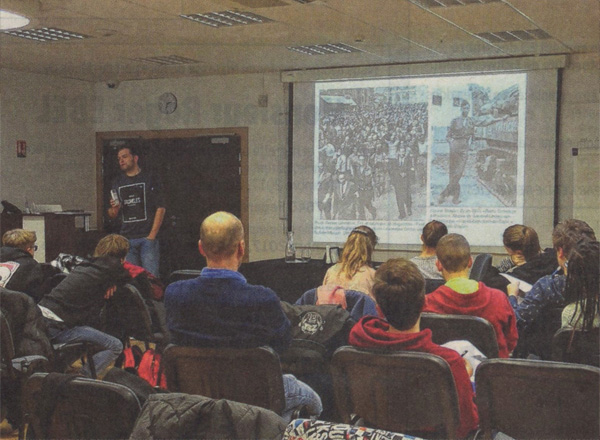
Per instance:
{"type": "Point", "coordinates": [431, 284]}
{"type": "Point", "coordinates": [538, 399]}
{"type": "Point", "coordinates": [131, 317]}
{"type": "Point", "coordinates": [359, 304]}
{"type": "Point", "coordinates": [577, 346]}
{"type": "Point", "coordinates": [481, 265]}
{"type": "Point", "coordinates": [478, 331]}
{"type": "Point", "coordinates": [7, 347]}
{"type": "Point", "coordinates": [183, 274]}
{"type": "Point", "coordinates": [80, 408]}
{"type": "Point", "coordinates": [249, 375]}
{"type": "Point", "coordinates": [406, 392]}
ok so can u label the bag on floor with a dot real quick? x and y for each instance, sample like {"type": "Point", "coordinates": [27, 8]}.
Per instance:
{"type": "Point", "coordinates": [150, 369]}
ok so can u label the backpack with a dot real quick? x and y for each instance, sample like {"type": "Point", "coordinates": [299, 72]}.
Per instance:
{"type": "Point", "coordinates": [143, 363]}
{"type": "Point", "coordinates": [326, 325]}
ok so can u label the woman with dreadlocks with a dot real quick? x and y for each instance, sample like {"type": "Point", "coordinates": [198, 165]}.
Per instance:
{"type": "Point", "coordinates": [582, 288]}
{"type": "Point", "coordinates": [353, 271]}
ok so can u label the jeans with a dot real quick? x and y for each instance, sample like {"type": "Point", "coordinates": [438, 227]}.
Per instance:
{"type": "Point", "coordinates": [110, 347]}
{"type": "Point", "coordinates": [298, 394]}
{"type": "Point", "coordinates": [144, 253]}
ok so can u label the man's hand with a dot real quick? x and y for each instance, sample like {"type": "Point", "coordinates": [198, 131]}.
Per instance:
{"type": "Point", "coordinates": [110, 292]}
{"type": "Point", "coordinates": [115, 206]}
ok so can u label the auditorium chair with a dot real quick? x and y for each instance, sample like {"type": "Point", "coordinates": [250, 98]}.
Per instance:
{"type": "Point", "coordinates": [251, 375]}
{"type": "Point", "coordinates": [478, 331]}
{"type": "Point", "coordinates": [481, 264]}
{"type": "Point", "coordinates": [577, 346]}
{"type": "Point", "coordinates": [408, 392]}
{"type": "Point", "coordinates": [61, 406]}
{"type": "Point", "coordinates": [14, 373]}
{"type": "Point", "coordinates": [538, 399]}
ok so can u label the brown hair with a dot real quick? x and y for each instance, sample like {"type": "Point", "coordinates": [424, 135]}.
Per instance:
{"type": "Point", "coordinates": [453, 252]}
{"type": "Point", "coordinates": [432, 232]}
{"type": "Point", "coordinates": [19, 238]}
{"type": "Point", "coordinates": [358, 250]}
{"type": "Point", "coordinates": [568, 232]}
{"type": "Point", "coordinates": [114, 245]}
{"type": "Point", "coordinates": [220, 234]}
{"type": "Point", "coordinates": [399, 289]}
{"type": "Point", "coordinates": [522, 238]}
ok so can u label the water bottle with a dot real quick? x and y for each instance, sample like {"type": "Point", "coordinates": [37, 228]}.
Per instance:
{"type": "Point", "coordinates": [290, 249]}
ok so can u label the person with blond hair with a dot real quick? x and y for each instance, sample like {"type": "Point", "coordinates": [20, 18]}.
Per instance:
{"type": "Point", "coordinates": [353, 271]}
{"type": "Point", "coordinates": [20, 271]}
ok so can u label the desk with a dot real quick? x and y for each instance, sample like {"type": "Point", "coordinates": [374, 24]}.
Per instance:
{"type": "Point", "coordinates": [288, 280]}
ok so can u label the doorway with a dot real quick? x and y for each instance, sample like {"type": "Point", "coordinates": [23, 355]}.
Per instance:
{"type": "Point", "coordinates": [202, 171]}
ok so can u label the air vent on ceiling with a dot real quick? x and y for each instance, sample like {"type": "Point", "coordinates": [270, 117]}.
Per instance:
{"type": "Point", "coordinates": [518, 35]}
{"type": "Point", "coordinates": [448, 3]}
{"type": "Point", "coordinates": [47, 34]}
{"type": "Point", "coordinates": [227, 18]}
{"type": "Point", "coordinates": [170, 60]}
{"type": "Point", "coordinates": [325, 49]}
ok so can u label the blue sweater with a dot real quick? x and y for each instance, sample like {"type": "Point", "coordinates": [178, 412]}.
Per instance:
{"type": "Point", "coordinates": [220, 309]}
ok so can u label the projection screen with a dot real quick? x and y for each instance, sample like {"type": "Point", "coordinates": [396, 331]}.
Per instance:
{"type": "Point", "coordinates": [475, 150]}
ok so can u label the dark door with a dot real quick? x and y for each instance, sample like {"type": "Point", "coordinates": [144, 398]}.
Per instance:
{"type": "Point", "coordinates": [200, 175]}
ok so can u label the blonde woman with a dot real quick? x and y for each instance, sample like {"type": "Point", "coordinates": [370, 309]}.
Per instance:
{"type": "Point", "coordinates": [353, 271]}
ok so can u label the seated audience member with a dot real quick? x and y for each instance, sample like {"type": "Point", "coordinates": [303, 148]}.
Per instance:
{"type": "Point", "coordinates": [220, 308]}
{"type": "Point", "coordinates": [548, 291]}
{"type": "Point", "coordinates": [526, 261]}
{"type": "Point", "coordinates": [432, 232]}
{"type": "Point", "coordinates": [21, 271]}
{"type": "Point", "coordinates": [73, 308]}
{"type": "Point", "coordinates": [463, 296]}
{"type": "Point", "coordinates": [400, 293]}
{"type": "Point", "coordinates": [353, 271]}
{"type": "Point", "coordinates": [582, 288]}
{"type": "Point", "coordinates": [118, 246]}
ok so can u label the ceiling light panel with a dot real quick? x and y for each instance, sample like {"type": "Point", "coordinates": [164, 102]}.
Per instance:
{"type": "Point", "coordinates": [515, 35]}
{"type": "Point", "coordinates": [227, 18]}
{"type": "Point", "coordinates": [449, 3]}
{"type": "Point", "coordinates": [47, 34]}
{"type": "Point", "coordinates": [325, 49]}
{"type": "Point", "coordinates": [170, 60]}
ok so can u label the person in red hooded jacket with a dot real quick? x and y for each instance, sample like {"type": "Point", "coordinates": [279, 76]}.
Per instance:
{"type": "Point", "coordinates": [463, 296]}
{"type": "Point", "coordinates": [399, 289]}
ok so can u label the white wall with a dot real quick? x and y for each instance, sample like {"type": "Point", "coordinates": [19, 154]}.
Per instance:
{"type": "Point", "coordinates": [59, 117]}
{"type": "Point", "coordinates": [215, 102]}
{"type": "Point", "coordinates": [579, 176]}
{"type": "Point", "coordinates": [55, 118]}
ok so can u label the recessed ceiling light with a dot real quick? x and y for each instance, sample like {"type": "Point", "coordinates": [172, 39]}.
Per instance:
{"type": "Point", "coordinates": [169, 60]}
{"type": "Point", "coordinates": [449, 3]}
{"type": "Point", "coordinates": [515, 35]}
{"type": "Point", "coordinates": [227, 18]}
{"type": "Point", "coordinates": [10, 20]}
{"type": "Point", "coordinates": [325, 49]}
{"type": "Point", "coordinates": [47, 34]}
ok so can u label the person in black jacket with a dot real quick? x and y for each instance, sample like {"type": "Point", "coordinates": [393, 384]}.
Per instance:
{"type": "Point", "coordinates": [73, 308]}
{"type": "Point", "coordinates": [20, 271]}
{"type": "Point", "coordinates": [526, 261]}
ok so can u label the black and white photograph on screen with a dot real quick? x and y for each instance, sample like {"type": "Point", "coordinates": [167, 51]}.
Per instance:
{"type": "Point", "coordinates": [477, 151]}
{"type": "Point", "coordinates": [395, 153]}
{"type": "Point", "coordinates": [372, 153]}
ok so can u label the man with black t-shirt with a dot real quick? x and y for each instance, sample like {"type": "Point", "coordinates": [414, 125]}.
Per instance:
{"type": "Point", "coordinates": [141, 204]}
